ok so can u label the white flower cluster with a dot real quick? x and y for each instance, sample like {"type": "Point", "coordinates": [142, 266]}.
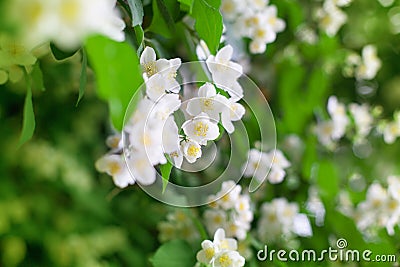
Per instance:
{"type": "Point", "coordinates": [364, 67]}
{"type": "Point", "coordinates": [254, 19]}
{"type": "Point", "coordinates": [281, 220]}
{"type": "Point", "coordinates": [231, 211]}
{"type": "Point", "coordinates": [381, 207]}
{"type": "Point", "coordinates": [221, 252]}
{"type": "Point", "coordinates": [66, 22]}
{"type": "Point", "coordinates": [179, 225]}
{"type": "Point", "coordinates": [258, 164]}
{"type": "Point", "coordinates": [330, 131]}
{"type": "Point", "coordinates": [152, 131]}
{"type": "Point", "coordinates": [390, 130]}
{"type": "Point", "coordinates": [331, 18]}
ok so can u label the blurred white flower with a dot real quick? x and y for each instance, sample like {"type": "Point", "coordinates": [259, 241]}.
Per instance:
{"type": "Point", "coordinates": [370, 64]}
{"type": "Point", "coordinates": [142, 168]}
{"type": "Point", "coordinates": [146, 137]}
{"type": "Point", "coordinates": [381, 207]}
{"type": "Point", "coordinates": [254, 19]}
{"type": "Point", "coordinates": [331, 18]}
{"type": "Point", "coordinates": [68, 22]}
{"type": "Point", "coordinates": [363, 120]}
{"type": "Point", "coordinates": [281, 219]}
{"type": "Point", "coordinates": [391, 130]}
{"type": "Point", "coordinates": [257, 165]}
{"type": "Point", "coordinates": [114, 142]}
{"type": "Point", "coordinates": [201, 129]}
{"type": "Point", "coordinates": [115, 166]}
{"type": "Point", "coordinates": [230, 211]}
{"type": "Point", "coordinates": [337, 111]}
{"type": "Point", "coordinates": [315, 206]}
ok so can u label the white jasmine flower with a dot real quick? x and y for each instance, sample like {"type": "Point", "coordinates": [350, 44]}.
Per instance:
{"type": "Point", "coordinates": [302, 226]}
{"type": "Point", "coordinates": [114, 165]}
{"type": "Point", "coordinates": [207, 253]}
{"type": "Point", "coordinates": [214, 219]}
{"type": "Point", "coordinates": [229, 259]}
{"type": "Point", "coordinates": [391, 131]}
{"type": "Point", "coordinates": [201, 129]}
{"type": "Point", "coordinates": [222, 242]}
{"type": "Point", "coordinates": [258, 164]}
{"type": "Point", "coordinates": [224, 72]}
{"type": "Point", "coordinates": [220, 252]}
{"type": "Point", "coordinates": [150, 64]}
{"type": "Point", "coordinates": [278, 160]}
{"type": "Point", "coordinates": [233, 112]}
{"type": "Point", "coordinates": [394, 187]}
{"type": "Point", "coordinates": [315, 206]}
{"type": "Point", "coordinates": [340, 3]}
{"type": "Point", "coordinates": [114, 142]}
{"type": "Point", "coordinates": [276, 175]}
{"type": "Point", "coordinates": [165, 106]}
{"type": "Point", "coordinates": [191, 151]}
{"type": "Point", "coordinates": [202, 50]}
{"type": "Point", "coordinates": [331, 18]}
{"type": "Point", "coordinates": [170, 136]}
{"type": "Point", "coordinates": [277, 24]}
{"type": "Point", "coordinates": [146, 137]}
{"type": "Point", "coordinates": [177, 158]}
{"type": "Point", "coordinates": [208, 102]}
{"type": "Point", "coordinates": [258, 4]}
{"type": "Point", "coordinates": [324, 131]}
{"type": "Point", "coordinates": [68, 22]}
{"type": "Point", "coordinates": [370, 65]}
{"type": "Point", "coordinates": [229, 194]}
{"type": "Point", "coordinates": [362, 118]}
{"type": "Point", "coordinates": [141, 167]}
{"type": "Point", "coordinates": [157, 86]}
{"type": "Point", "coordinates": [257, 46]}
{"type": "Point", "coordinates": [338, 114]}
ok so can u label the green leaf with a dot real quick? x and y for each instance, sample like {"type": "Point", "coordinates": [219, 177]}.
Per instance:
{"type": "Point", "coordinates": [60, 54]}
{"type": "Point", "coordinates": [83, 78]}
{"type": "Point", "coordinates": [164, 12]}
{"type": "Point", "coordinates": [174, 253]}
{"type": "Point", "coordinates": [189, 3]}
{"type": "Point", "coordinates": [139, 39]}
{"type": "Point", "coordinates": [208, 22]}
{"type": "Point", "coordinates": [136, 7]}
{"type": "Point", "coordinates": [327, 179]}
{"type": "Point", "coordinates": [37, 77]}
{"type": "Point", "coordinates": [28, 122]}
{"type": "Point", "coordinates": [165, 174]}
{"type": "Point", "coordinates": [118, 74]}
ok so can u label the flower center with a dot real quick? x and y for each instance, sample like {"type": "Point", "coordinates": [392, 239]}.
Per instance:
{"type": "Point", "coordinates": [209, 253]}
{"type": "Point", "coordinates": [201, 129]}
{"type": "Point", "coordinates": [225, 261]}
{"type": "Point", "coordinates": [193, 150]}
{"type": "Point", "coordinates": [115, 168]}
